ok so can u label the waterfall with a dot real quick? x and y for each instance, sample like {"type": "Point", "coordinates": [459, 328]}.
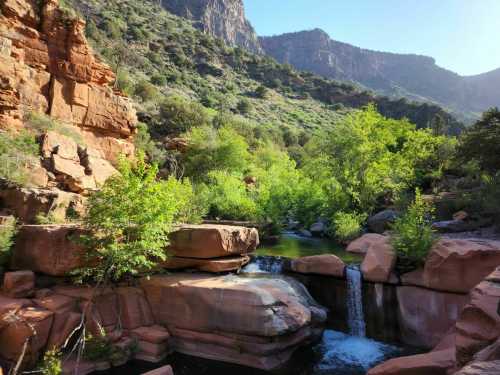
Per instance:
{"type": "Point", "coordinates": [264, 264]}
{"type": "Point", "coordinates": [355, 317]}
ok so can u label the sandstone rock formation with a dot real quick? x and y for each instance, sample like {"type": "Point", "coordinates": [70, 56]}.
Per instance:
{"type": "Point", "coordinates": [329, 265]}
{"type": "Point", "coordinates": [365, 243]}
{"type": "Point", "coordinates": [47, 67]}
{"type": "Point", "coordinates": [379, 261]}
{"type": "Point", "coordinates": [224, 19]}
{"type": "Point", "coordinates": [256, 322]}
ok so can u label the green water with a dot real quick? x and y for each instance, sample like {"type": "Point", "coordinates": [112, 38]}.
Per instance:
{"type": "Point", "coordinates": [293, 246]}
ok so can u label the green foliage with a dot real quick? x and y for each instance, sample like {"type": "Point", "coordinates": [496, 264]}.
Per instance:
{"type": "Point", "coordinates": [245, 106]}
{"type": "Point", "coordinates": [146, 91]}
{"type": "Point", "coordinates": [481, 142]}
{"type": "Point", "coordinates": [347, 226]}
{"type": "Point", "coordinates": [8, 232]}
{"type": "Point", "coordinates": [40, 123]}
{"type": "Point", "coordinates": [130, 218]}
{"type": "Point", "coordinates": [97, 347]}
{"type": "Point", "coordinates": [180, 115]}
{"type": "Point", "coordinates": [51, 363]}
{"type": "Point", "coordinates": [144, 143]}
{"type": "Point", "coordinates": [413, 236]}
{"type": "Point", "coordinates": [262, 92]}
{"type": "Point", "coordinates": [17, 152]}
{"type": "Point", "coordinates": [124, 83]}
{"type": "Point", "coordinates": [45, 219]}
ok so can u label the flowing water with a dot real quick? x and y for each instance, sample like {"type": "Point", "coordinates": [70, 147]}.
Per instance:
{"type": "Point", "coordinates": [355, 316]}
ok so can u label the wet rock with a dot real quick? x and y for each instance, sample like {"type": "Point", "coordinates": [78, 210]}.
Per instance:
{"type": "Point", "coordinates": [451, 226]}
{"type": "Point", "coordinates": [165, 370]}
{"type": "Point", "coordinates": [256, 322]}
{"type": "Point", "coordinates": [327, 264]}
{"type": "Point", "coordinates": [48, 249]}
{"type": "Point", "coordinates": [20, 284]}
{"type": "Point", "coordinates": [481, 368]}
{"type": "Point", "coordinates": [425, 316]}
{"type": "Point", "coordinates": [433, 363]}
{"type": "Point", "coordinates": [216, 265]}
{"type": "Point", "coordinates": [382, 221]}
{"type": "Point", "coordinates": [318, 229]}
{"type": "Point", "coordinates": [212, 241]}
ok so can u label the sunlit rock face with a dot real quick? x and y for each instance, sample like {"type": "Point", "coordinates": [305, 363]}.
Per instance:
{"type": "Point", "coordinates": [224, 19]}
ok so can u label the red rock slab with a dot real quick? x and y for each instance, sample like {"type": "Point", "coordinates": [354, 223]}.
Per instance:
{"type": "Point", "coordinates": [154, 334]}
{"type": "Point", "coordinates": [433, 363]}
{"type": "Point", "coordinates": [327, 264]}
{"type": "Point", "coordinates": [165, 370]}
{"type": "Point", "coordinates": [379, 261]}
{"type": "Point", "coordinates": [135, 311]}
{"type": "Point", "coordinates": [481, 368]}
{"type": "Point", "coordinates": [216, 265]}
{"type": "Point", "coordinates": [212, 241]}
{"type": "Point", "coordinates": [366, 242]}
{"type": "Point", "coordinates": [19, 284]}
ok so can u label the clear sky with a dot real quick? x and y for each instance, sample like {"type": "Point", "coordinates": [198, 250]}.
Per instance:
{"type": "Point", "coordinates": [462, 35]}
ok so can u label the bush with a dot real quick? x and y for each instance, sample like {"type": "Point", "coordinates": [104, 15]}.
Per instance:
{"type": "Point", "coordinates": [146, 91]}
{"type": "Point", "coordinates": [17, 152]}
{"type": "Point", "coordinates": [97, 347]}
{"type": "Point", "coordinates": [413, 236]}
{"type": "Point", "coordinates": [7, 234]}
{"type": "Point", "coordinates": [262, 92]}
{"type": "Point", "coordinates": [179, 115]}
{"type": "Point", "coordinates": [347, 226]}
{"type": "Point", "coordinates": [144, 143]}
{"type": "Point", "coordinates": [129, 220]}
{"type": "Point", "coordinates": [159, 80]}
{"type": "Point", "coordinates": [245, 106]}
{"type": "Point", "coordinates": [124, 83]}
{"type": "Point", "coordinates": [51, 363]}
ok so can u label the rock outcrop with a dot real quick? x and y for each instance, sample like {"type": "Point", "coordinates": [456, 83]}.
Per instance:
{"type": "Point", "coordinates": [256, 322]}
{"type": "Point", "coordinates": [224, 19]}
{"type": "Point", "coordinates": [48, 68]}
{"type": "Point", "coordinates": [327, 264]}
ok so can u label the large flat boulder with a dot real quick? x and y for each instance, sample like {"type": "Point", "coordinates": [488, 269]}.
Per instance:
{"type": "Point", "coordinates": [365, 243]}
{"type": "Point", "coordinates": [479, 323]}
{"type": "Point", "coordinates": [48, 249]}
{"type": "Point", "coordinates": [327, 264]}
{"type": "Point", "coordinates": [216, 265]}
{"type": "Point", "coordinates": [256, 322]}
{"type": "Point", "coordinates": [481, 368]}
{"type": "Point", "coordinates": [212, 241]}
{"type": "Point", "coordinates": [459, 265]}
{"type": "Point", "coordinates": [425, 316]}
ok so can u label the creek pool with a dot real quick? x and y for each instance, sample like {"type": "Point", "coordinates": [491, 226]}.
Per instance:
{"type": "Point", "coordinates": [291, 245]}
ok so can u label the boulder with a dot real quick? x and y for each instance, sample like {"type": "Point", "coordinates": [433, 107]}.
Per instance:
{"type": "Point", "coordinates": [459, 265]}
{"type": "Point", "coordinates": [451, 226]}
{"type": "Point", "coordinates": [382, 221]}
{"type": "Point", "coordinates": [481, 368]}
{"type": "Point", "coordinates": [135, 311]}
{"type": "Point", "coordinates": [153, 334]}
{"type": "Point", "coordinates": [255, 322]}
{"type": "Point", "coordinates": [20, 284]}
{"type": "Point", "coordinates": [318, 229]}
{"type": "Point", "coordinates": [212, 241]}
{"type": "Point", "coordinates": [425, 316]}
{"type": "Point", "coordinates": [327, 264]}
{"type": "Point", "coordinates": [433, 363]}
{"type": "Point", "coordinates": [165, 370]}
{"type": "Point", "coordinates": [366, 242]}
{"type": "Point", "coordinates": [61, 145]}
{"type": "Point", "coordinates": [305, 233]}
{"type": "Point", "coordinates": [48, 249]}
{"type": "Point", "coordinates": [216, 265]}
{"type": "Point", "coordinates": [379, 261]}
{"type": "Point", "coordinates": [479, 323]}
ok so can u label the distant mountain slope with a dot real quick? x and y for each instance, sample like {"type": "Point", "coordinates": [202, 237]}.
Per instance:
{"type": "Point", "coordinates": [411, 76]}
{"type": "Point", "coordinates": [224, 19]}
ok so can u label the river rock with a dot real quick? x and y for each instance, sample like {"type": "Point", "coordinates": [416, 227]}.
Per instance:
{"type": "Point", "coordinates": [451, 226]}
{"type": "Point", "coordinates": [379, 261]}
{"type": "Point", "coordinates": [459, 265]}
{"type": "Point", "coordinates": [48, 249]}
{"type": "Point", "coordinates": [327, 264]}
{"type": "Point", "coordinates": [256, 322]}
{"type": "Point", "coordinates": [212, 241]}
{"type": "Point", "coordinates": [382, 221]}
{"type": "Point", "coordinates": [433, 363]}
{"type": "Point", "coordinates": [318, 229]}
{"type": "Point", "coordinates": [366, 242]}
{"type": "Point", "coordinates": [216, 265]}
{"type": "Point", "coordinates": [425, 316]}
{"type": "Point", "coordinates": [479, 323]}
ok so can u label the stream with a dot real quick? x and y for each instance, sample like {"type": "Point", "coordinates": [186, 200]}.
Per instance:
{"type": "Point", "coordinates": [338, 353]}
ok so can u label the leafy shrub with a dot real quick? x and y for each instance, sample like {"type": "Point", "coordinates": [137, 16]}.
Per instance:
{"type": "Point", "coordinates": [146, 91]}
{"type": "Point", "coordinates": [97, 347]}
{"type": "Point", "coordinates": [17, 152]}
{"type": "Point", "coordinates": [413, 236]}
{"type": "Point", "coordinates": [262, 92]}
{"type": "Point", "coordinates": [129, 220]}
{"type": "Point", "coordinates": [159, 80]}
{"type": "Point", "coordinates": [144, 143]}
{"type": "Point", "coordinates": [7, 234]}
{"type": "Point", "coordinates": [245, 106]}
{"type": "Point", "coordinates": [124, 83]}
{"type": "Point", "coordinates": [348, 226]}
{"type": "Point", "coordinates": [51, 363]}
{"type": "Point", "coordinates": [180, 115]}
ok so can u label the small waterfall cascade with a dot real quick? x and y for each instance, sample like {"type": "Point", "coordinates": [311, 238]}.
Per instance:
{"type": "Point", "coordinates": [265, 264]}
{"type": "Point", "coordinates": [355, 316]}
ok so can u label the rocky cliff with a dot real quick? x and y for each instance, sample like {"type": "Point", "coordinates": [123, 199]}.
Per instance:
{"type": "Point", "coordinates": [412, 76]}
{"type": "Point", "coordinates": [48, 68]}
{"type": "Point", "coordinates": [224, 19]}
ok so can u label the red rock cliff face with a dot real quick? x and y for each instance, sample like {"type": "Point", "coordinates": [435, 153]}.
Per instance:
{"type": "Point", "coordinates": [46, 65]}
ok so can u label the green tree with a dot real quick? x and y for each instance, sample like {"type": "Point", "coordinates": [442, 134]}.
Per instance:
{"type": "Point", "coordinates": [129, 220]}
{"type": "Point", "coordinates": [482, 142]}
{"type": "Point", "coordinates": [179, 115]}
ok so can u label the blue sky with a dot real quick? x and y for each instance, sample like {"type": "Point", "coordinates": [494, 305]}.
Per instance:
{"type": "Point", "coordinates": [462, 35]}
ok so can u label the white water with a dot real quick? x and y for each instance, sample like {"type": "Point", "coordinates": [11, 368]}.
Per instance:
{"type": "Point", "coordinates": [344, 354]}
{"type": "Point", "coordinates": [264, 264]}
{"type": "Point", "coordinates": [355, 316]}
